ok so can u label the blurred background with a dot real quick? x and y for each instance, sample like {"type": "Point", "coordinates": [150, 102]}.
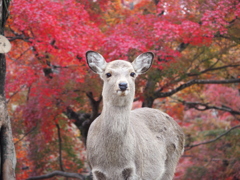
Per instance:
{"type": "Point", "coordinates": [53, 97]}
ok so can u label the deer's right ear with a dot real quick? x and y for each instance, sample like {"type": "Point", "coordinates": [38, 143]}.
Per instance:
{"type": "Point", "coordinates": [96, 62]}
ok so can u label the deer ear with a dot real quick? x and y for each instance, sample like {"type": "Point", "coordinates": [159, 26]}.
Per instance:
{"type": "Point", "coordinates": [143, 62]}
{"type": "Point", "coordinates": [95, 61]}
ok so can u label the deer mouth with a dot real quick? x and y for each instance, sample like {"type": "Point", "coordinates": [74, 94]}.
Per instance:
{"type": "Point", "coordinates": [122, 93]}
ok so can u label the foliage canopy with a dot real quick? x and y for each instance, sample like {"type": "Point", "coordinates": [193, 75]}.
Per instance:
{"type": "Point", "coordinates": [195, 77]}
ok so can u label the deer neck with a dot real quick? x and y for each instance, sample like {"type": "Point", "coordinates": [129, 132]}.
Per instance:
{"type": "Point", "coordinates": [116, 118]}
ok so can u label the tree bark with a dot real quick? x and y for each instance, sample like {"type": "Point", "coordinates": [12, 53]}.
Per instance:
{"type": "Point", "coordinates": [8, 158]}
{"type": "Point", "coordinates": [7, 150]}
{"type": "Point", "coordinates": [149, 96]}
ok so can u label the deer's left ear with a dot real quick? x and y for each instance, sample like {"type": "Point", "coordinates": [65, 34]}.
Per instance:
{"type": "Point", "coordinates": [143, 62]}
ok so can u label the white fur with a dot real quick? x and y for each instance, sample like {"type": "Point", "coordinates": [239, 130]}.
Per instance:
{"type": "Point", "coordinates": [143, 144]}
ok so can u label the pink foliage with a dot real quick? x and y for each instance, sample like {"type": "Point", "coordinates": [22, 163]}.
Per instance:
{"type": "Point", "coordinates": [218, 15]}
{"type": "Point", "coordinates": [223, 95]}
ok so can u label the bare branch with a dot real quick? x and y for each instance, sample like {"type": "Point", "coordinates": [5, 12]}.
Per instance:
{"type": "Point", "coordinates": [188, 147]}
{"type": "Point", "coordinates": [58, 173]}
{"type": "Point", "coordinates": [212, 69]}
{"type": "Point", "coordinates": [60, 147]}
{"type": "Point", "coordinates": [205, 106]}
{"type": "Point", "coordinates": [19, 89]}
{"type": "Point", "coordinates": [20, 56]}
{"type": "Point", "coordinates": [26, 135]}
{"type": "Point", "coordinates": [159, 94]}
{"type": "Point", "coordinates": [22, 37]}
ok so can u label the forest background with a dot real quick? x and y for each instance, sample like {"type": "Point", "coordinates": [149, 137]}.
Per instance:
{"type": "Point", "coordinates": [52, 97]}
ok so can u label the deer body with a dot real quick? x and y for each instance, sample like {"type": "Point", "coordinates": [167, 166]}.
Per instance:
{"type": "Point", "coordinates": [143, 144]}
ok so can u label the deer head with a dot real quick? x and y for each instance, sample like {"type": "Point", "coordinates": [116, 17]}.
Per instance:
{"type": "Point", "coordinates": [119, 75]}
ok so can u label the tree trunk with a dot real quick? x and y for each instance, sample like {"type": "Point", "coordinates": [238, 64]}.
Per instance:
{"type": "Point", "coordinates": [148, 102]}
{"type": "Point", "coordinates": [149, 90]}
{"type": "Point", "coordinates": [84, 120]}
{"type": "Point", "coordinates": [7, 150]}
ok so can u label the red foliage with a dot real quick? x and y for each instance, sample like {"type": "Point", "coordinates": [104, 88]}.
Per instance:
{"type": "Point", "coordinates": [46, 68]}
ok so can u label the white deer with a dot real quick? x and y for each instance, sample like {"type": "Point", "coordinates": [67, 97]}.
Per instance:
{"type": "Point", "coordinates": [143, 144]}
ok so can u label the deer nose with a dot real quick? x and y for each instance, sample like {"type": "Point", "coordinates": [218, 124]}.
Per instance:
{"type": "Point", "coordinates": [123, 86]}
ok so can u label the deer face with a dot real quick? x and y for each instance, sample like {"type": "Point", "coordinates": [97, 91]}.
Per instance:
{"type": "Point", "coordinates": [119, 75]}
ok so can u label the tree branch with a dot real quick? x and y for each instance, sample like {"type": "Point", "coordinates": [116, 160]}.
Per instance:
{"type": "Point", "coordinates": [94, 104]}
{"type": "Point", "coordinates": [19, 89]}
{"type": "Point", "coordinates": [82, 121]}
{"type": "Point", "coordinates": [212, 69]}
{"type": "Point", "coordinates": [26, 134]}
{"type": "Point", "coordinates": [60, 147]}
{"type": "Point", "coordinates": [188, 147]}
{"type": "Point", "coordinates": [204, 106]}
{"type": "Point", "coordinates": [182, 47]}
{"type": "Point", "coordinates": [58, 173]}
{"type": "Point", "coordinates": [159, 94]}
{"type": "Point", "coordinates": [22, 37]}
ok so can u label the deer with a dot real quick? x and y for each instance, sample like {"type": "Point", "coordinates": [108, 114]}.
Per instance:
{"type": "Point", "coordinates": [125, 144]}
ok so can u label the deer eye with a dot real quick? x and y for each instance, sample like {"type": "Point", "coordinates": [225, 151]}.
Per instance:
{"type": "Point", "coordinates": [108, 75]}
{"type": "Point", "coordinates": [132, 74]}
